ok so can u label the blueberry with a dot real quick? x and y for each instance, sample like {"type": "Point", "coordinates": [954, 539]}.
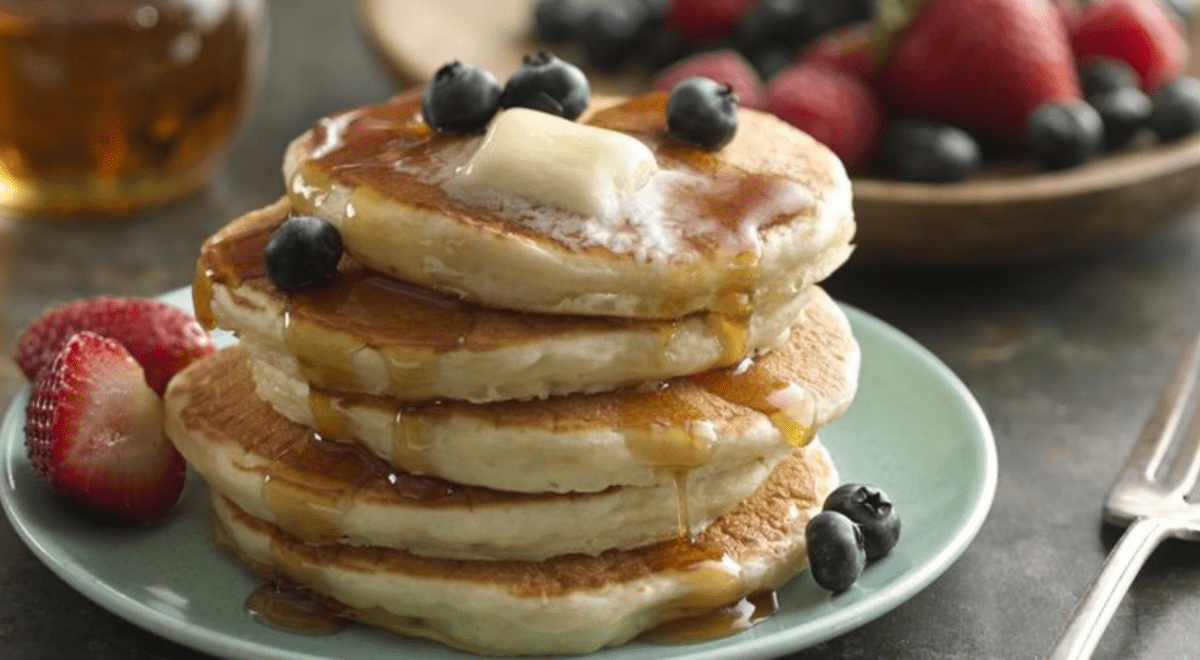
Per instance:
{"type": "Point", "coordinates": [545, 82]}
{"type": "Point", "coordinates": [302, 253]}
{"type": "Point", "coordinates": [1123, 110]}
{"type": "Point", "coordinates": [770, 61]}
{"type": "Point", "coordinates": [931, 151]}
{"type": "Point", "coordinates": [1176, 109]}
{"type": "Point", "coordinates": [770, 23]}
{"type": "Point", "coordinates": [826, 15]}
{"type": "Point", "coordinates": [870, 509]}
{"type": "Point", "coordinates": [460, 98]}
{"type": "Point", "coordinates": [836, 556]}
{"type": "Point", "coordinates": [558, 20]}
{"type": "Point", "coordinates": [665, 46]}
{"type": "Point", "coordinates": [702, 112]}
{"type": "Point", "coordinates": [1064, 135]}
{"type": "Point", "coordinates": [1101, 75]}
{"type": "Point", "coordinates": [614, 31]}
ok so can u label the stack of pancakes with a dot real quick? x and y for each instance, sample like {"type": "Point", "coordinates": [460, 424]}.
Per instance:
{"type": "Point", "coordinates": [512, 428]}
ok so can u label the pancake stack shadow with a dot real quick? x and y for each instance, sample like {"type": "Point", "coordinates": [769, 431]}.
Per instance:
{"type": "Point", "coordinates": [510, 431]}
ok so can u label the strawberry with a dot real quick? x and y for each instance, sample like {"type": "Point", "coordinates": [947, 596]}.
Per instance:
{"type": "Point", "coordinates": [850, 49]}
{"type": "Point", "coordinates": [698, 20]}
{"type": "Point", "coordinates": [162, 338]}
{"type": "Point", "coordinates": [93, 430]}
{"type": "Point", "coordinates": [1140, 32]}
{"type": "Point", "coordinates": [983, 65]}
{"type": "Point", "coordinates": [723, 66]}
{"type": "Point", "coordinates": [837, 109]}
{"type": "Point", "coordinates": [1068, 11]}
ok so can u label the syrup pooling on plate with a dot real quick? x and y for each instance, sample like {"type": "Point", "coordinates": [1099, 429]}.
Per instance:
{"type": "Point", "coordinates": [716, 624]}
{"type": "Point", "coordinates": [293, 610]}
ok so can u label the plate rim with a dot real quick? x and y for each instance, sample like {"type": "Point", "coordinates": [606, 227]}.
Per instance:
{"type": "Point", "coordinates": [207, 639]}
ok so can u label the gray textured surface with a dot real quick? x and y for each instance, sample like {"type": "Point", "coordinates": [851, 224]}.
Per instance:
{"type": "Point", "coordinates": [1065, 359]}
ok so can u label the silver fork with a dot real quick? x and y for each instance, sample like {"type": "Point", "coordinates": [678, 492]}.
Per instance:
{"type": "Point", "coordinates": [1153, 502]}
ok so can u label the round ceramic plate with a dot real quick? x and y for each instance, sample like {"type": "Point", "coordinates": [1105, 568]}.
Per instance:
{"type": "Point", "coordinates": [913, 429]}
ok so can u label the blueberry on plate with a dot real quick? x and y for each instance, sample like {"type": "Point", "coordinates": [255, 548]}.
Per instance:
{"type": "Point", "coordinates": [1123, 110]}
{"type": "Point", "coordinates": [614, 31]}
{"type": "Point", "coordinates": [702, 112]}
{"type": "Point", "coordinates": [835, 550]}
{"type": "Point", "coordinates": [1064, 135]}
{"type": "Point", "coordinates": [931, 151]}
{"type": "Point", "coordinates": [303, 253]}
{"type": "Point", "coordinates": [558, 20]}
{"type": "Point", "coordinates": [545, 82]}
{"type": "Point", "coordinates": [1176, 109]}
{"type": "Point", "coordinates": [770, 23]}
{"type": "Point", "coordinates": [460, 98]}
{"type": "Point", "coordinates": [870, 509]}
{"type": "Point", "coordinates": [1100, 75]}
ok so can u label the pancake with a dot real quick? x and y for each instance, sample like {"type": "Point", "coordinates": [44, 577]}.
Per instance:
{"type": "Point", "coordinates": [761, 219]}
{"type": "Point", "coordinates": [570, 604]}
{"type": "Point", "coordinates": [369, 334]}
{"type": "Point", "coordinates": [639, 436]}
{"type": "Point", "coordinates": [323, 491]}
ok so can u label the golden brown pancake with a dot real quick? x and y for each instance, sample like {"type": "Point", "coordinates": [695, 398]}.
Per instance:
{"type": "Point", "coordinates": [367, 333]}
{"type": "Point", "coordinates": [569, 604]}
{"type": "Point", "coordinates": [760, 219]}
{"type": "Point", "coordinates": [324, 491]}
{"type": "Point", "coordinates": [639, 436]}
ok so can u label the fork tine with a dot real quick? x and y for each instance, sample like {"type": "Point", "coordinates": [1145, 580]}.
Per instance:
{"type": "Point", "coordinates": [1181, 477]}
{"type": "Point", "coordinates": [1163, 421]}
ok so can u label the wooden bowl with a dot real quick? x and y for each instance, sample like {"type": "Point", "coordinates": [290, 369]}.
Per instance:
{"type": "Point", "coordinates": [1006, 214]}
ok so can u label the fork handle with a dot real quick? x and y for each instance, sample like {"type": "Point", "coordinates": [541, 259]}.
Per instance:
{"type": "Point", "coordinates": [1082, 631]}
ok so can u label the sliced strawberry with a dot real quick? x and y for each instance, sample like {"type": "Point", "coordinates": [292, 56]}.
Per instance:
{"type": "Point", "coordinates": [162, 338]}
{"type": "Point", "coordinates": [723, 66]}
{"type": "Point", "coordinates": [93, 430]}
{"type": "Point", "coordinates": [1140, 32]}
{"type": "Point", "coordinates": [837, 109]}
{"type": "Point", "coordinates": [698, 20]}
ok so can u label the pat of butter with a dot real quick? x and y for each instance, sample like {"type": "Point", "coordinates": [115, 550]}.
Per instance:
{"type": "Point", "coordinates": [545, 158]}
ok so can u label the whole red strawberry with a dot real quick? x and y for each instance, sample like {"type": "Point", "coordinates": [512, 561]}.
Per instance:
{"type": "Point", "coordinates": [837, 109]}
{"type": "Point", "coordinates": [1141, 32]}
{"type": "Point", "coordinates": [93, 430]}
{"type": "Point", "coordinates": [723, 66]}
{"type": "Point", "coordinates": [984, 65]}
{"type": "Point", "coordinates": [698, 20]}
{"type": "Point", "coordinates": [162, 338]}
{"type": "Point", "coordinates": [850, 49]}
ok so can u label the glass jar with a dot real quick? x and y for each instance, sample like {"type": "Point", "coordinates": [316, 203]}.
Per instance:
{"type": "Point", "coordinates": [107, 106]}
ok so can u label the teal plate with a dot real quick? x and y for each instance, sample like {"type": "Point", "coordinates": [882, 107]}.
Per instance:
{"type": "Point", "coordinates": [913, 429]}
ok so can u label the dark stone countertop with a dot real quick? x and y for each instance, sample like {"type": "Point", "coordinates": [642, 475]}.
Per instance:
{"type": "Point", "coordinates": [1065, 359]}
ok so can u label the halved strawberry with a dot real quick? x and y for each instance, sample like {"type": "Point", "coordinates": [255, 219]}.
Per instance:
{"type": "Point", "coordinates": [94, 431]}
{"type": "Point", "coordinates": [162, 338]}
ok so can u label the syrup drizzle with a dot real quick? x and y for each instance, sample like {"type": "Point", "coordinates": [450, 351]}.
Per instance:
{"type": "Point", "coordinates": [716, 624]}
{"type": "Point", "coordinates": [292, 609]}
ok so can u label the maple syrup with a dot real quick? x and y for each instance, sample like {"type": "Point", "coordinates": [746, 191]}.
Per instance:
{"type": "Point", "coordinates": [114, 105]}
{"type": "Point", "coordinates": [292, 609]}
{"type": "Point", "coordinates": [716, 624]}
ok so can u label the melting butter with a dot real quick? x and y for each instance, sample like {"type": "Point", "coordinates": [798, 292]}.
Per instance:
{"type": "Point", "coordinates": [547, 159]}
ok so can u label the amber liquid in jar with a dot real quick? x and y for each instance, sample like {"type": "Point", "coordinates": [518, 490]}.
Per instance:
{"type": "Point", "coordinates": [108, 106]}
